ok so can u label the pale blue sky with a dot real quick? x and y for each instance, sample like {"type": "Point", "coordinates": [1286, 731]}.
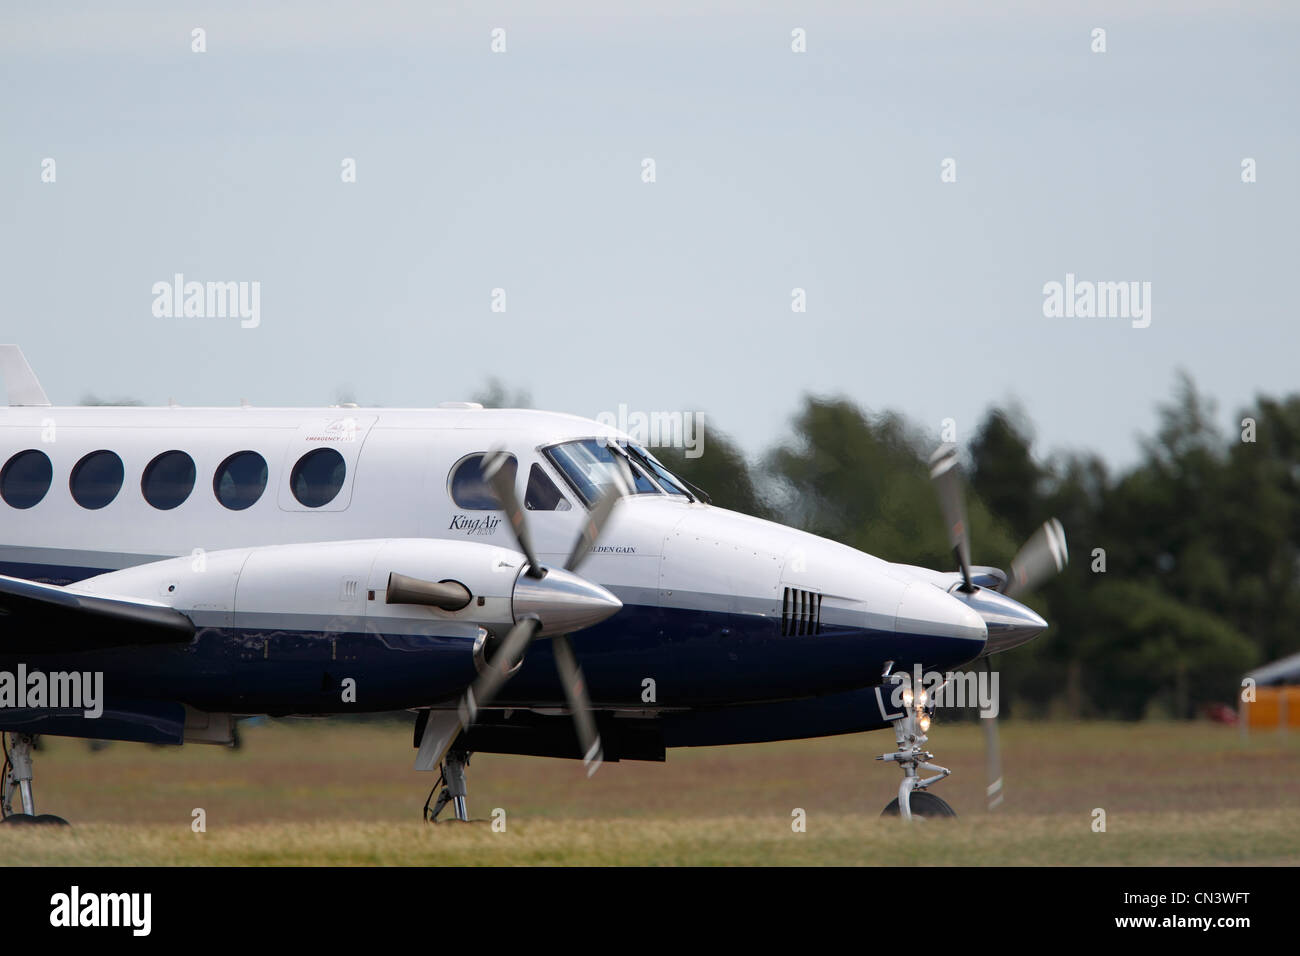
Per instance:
{"type": "Point", "coordinates": [775, 170]}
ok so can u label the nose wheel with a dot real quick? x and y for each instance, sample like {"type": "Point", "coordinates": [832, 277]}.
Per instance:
{"type": "Point", "coordinates": [923, 804]}
{"type": "Point", "coordinates": [909, 731]}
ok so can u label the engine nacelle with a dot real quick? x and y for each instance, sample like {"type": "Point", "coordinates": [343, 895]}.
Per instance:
{"type": "Point", "coordinates": [339, 585]}
{"type": "Point", "coordinates": [403, 591]}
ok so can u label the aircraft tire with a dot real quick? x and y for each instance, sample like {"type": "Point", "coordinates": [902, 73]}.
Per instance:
{"type": "Point", "coordinates": [924, 804]}
{"type": "Point", "coordinates": [27, 820]}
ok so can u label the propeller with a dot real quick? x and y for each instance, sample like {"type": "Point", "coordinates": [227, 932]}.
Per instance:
{"type": "Point", "coordinates": [1042, 557]}
{"type": "Point", "coordinates": [517, 641]}
{"type": "Point", "coordinates": [947, 483]}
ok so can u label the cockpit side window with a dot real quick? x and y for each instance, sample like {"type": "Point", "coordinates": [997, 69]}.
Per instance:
{"type": "Point", "coordinates": [469, 486]}
{"type": "Point", "coordinates": [542, 495]}
{"type": "Point", "coordinates": [591, 467]}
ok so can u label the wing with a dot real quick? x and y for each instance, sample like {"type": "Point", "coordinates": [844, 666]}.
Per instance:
{"type": "Point", "coordinates": [44, 618]}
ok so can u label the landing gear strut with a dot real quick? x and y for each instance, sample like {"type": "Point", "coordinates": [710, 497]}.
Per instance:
{"type": "Point", "coordinates": [18, 776]}
{"type": "Point", "coordinates": [909, 731]}
{"type": "Point", "coordinates": [454, 790]}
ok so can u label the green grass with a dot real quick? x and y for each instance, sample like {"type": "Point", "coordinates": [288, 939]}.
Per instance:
{"type": "Point", "coordinates": [1153, 839]}
{"type": "Point", "coordinates": [316, 792]}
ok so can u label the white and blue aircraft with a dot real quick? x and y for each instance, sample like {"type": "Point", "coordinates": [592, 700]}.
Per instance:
{"type": "Point", "coordinates": [458, 562]}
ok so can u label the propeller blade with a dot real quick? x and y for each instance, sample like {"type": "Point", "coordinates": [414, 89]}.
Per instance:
{"type": "Point", "coordinates": [992, 755]}
{"type": "Point", "coordinates": [575, 689]}
{"type": "Point", "coordinates": [441, 728]}
{"type": "Point", "coordinates": [521, 635]}
{"type": "Point", "coordinates": [948, 484]}
{"type": "Point", "coordinates": [504, 487]}
{"type": "Point", "coordinates": [598, 516]}
{"type": "Point", "coordinates": [483, 690]}
{"type": "Point", "coordinates": [1043, 556]}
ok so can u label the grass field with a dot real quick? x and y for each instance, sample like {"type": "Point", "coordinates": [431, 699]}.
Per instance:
{"type": "Point", "coordinates": [320, 792]}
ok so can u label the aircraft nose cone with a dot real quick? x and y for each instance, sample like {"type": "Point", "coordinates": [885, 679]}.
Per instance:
{"type": "Point", "coordinates": [563, 601]}
{"type": "Point", "coordinates": [1009, 622]}
{"type": "Point", "coordinates": [925, 609]}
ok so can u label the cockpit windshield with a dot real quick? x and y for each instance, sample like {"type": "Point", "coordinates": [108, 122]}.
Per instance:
{"type": "Point", "coordinates": [593, 465]}
{"type": "Point", "coordinates": [667, 480]}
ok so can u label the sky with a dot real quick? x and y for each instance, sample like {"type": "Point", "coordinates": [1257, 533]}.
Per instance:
{"type": "Point", "coordinates": [774, 170]}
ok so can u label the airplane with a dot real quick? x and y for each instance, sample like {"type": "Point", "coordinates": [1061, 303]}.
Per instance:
{"type": "Point", "coordinates": [523, 582]}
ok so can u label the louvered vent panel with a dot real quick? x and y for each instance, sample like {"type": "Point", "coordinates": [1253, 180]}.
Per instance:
{"type": "Point", "coordinates": [801, 612]}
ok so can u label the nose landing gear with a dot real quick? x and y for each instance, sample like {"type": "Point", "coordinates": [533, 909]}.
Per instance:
{"type": "Point", "coordinates": [909, 730]}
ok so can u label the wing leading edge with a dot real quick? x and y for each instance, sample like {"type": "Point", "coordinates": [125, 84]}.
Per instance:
{"type": "Point", "coordinates": [44, 618]}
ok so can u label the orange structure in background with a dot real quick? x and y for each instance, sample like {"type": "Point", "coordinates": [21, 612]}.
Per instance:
{"type": "Point", "coordinates": [1270, 703]}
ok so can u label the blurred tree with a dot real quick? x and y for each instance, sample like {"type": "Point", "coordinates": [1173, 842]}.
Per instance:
{"type": "Point", "coordinates": [91, 399]}
{"type": "Point", "coordinates": [864, 481]}
{"type": "Point", "coordinates": [1148, 648]}
{"type": "Point", "coordinates": [497, 395]}
{"type": "Point", "coordinates": [1004, 474]}
{"type": "Point", "coordinates": [721, 472]}
{"type": "Point", "coordinates": [1055, 666]}
{"type": "Point", "coordinates": [1258, 525]}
